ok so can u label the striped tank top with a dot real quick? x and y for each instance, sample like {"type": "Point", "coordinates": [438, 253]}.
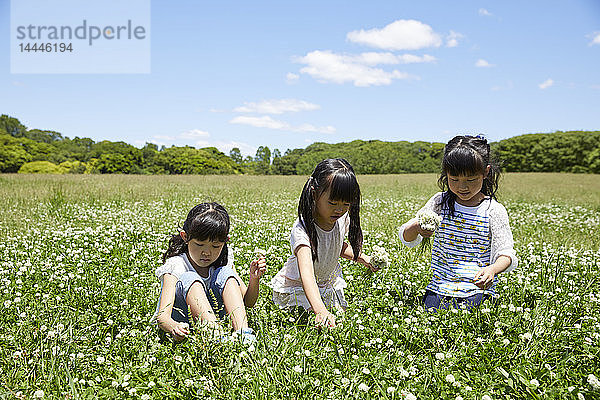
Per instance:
{"type": "Point", "coordinates": [461, 248]}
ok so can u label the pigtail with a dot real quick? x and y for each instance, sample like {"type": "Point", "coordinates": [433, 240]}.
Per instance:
{"type": "Point", "coordinates": [355, 235]}
{"type": "Point", "coordinates": [492, 180]}
{"type": "Point", "coordinates": [306, 207]}
{"type": "Point", "coordinates": [176, 247]}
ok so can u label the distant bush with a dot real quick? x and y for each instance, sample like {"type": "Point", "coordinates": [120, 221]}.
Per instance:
{"type": "Point", "coordinates": [41, 167]}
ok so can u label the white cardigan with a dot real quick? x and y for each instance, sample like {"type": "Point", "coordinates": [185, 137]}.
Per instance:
{"type": "Point", "coordinates": [501, 239]}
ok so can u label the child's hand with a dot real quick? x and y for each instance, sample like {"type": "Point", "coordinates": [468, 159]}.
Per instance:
{"type": "Point", "coordinates": [366, 261]}
{"type": "Point", "coordinates": [179, 331]}
{"type": "Point", "coordinates": [325, 319]}
{"type": "Point", "coordinates": [424, 232]}
{"type": "Point", "coordinates": [484, 278]}
{"type": "Point", "coordinates": [258, 267]}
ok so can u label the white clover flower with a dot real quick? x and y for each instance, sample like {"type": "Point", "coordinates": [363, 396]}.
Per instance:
{"type": "Point", "coordinates": [450, 378]}
{"type": "Point", "coordinates": [593, 381]}
{"type": "Point", "coordinates": [408, 395]}
{"type": "Point", "coordinates": [534, 382]}
{"type": "Point", "coordinates": [440, 356]}
{"type": "Point", "coordinates": [527, 336]}
{"type": "Point", "coordinates": [345, 381]}
{"type": "Point", "coordinates": [363, 387]}
{"type": "Point", "coordinates": [366, 371]}
{"type": "Point", "coordinates": [391, 389]}
{"type": "Point", "coordinates": [100, 360]}
{"type": "Point", "coordinates": [297, 368]}
{"type": "Point", "coordinates": [38, 394]}
{"type": "Point", "coordinates": [428, 219]}
{"type": "Point", "coordinates": [380, 257]}
{"type": "Point", "coordinates": [188, 382]}
{"type": "Point", "coordinates": [486, 397]}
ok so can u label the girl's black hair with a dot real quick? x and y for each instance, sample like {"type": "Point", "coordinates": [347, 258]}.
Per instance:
{"type": "Point", "coordinates": [338, 175]}
{"type": "Point", "coordinates": [206, 221]}
{"type": "Point", "coordinates": [466, 156]}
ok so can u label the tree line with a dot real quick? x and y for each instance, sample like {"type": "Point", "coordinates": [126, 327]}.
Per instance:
{"type": "Point", "coordinates": [43, 151]}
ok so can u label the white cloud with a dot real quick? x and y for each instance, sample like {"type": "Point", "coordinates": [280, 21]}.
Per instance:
{"type": "Point", "coordinates": [481, 63]}
{"type": "Point", "coordinates": [546, 84]}
{"type": "Point", "coordinates": [226, 146]}
{"type": "Point", "coordinates": [194, 134]}
{"type": "Point", "coordinates": [399, 35]}
{"type": "Point", "coordinates": [260, 122]}
{"type": "Point", "coordinates": [485, 13]}
{"type": "Point", "coordinates": [277, 106]}
{"type": "Point", "coordinates": [291, 77]}
{"type": "Point", "coordinates": [453, 38]}
{"type": "Point", "coordinates": [327, 66]}
{"type": "Point", "coordinates": [595, 38]}
{"type": "Point", "coordinates": [270, 123]}
{"type": "Point", "coordinates": [191, 135]}
{"type": "Point", "coordinates": [374, 58]}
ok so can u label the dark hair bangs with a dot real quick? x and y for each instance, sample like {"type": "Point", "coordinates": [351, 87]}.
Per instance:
{"type": "Point", "coordinates": [344, 187]}
{"type": "Point", "coordinates": [209, 226]}
{"type": "Point", "coordinates": [463, 161]}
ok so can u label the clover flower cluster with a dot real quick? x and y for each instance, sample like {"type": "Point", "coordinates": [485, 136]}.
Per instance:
{"type": "Point", "coordinates": [430, 221]}
{"type": "Point", "coordinates": [380, 257]}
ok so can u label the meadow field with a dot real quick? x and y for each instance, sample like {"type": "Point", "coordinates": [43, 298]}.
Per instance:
{"type": "Point", "coordinates": [78, 255]}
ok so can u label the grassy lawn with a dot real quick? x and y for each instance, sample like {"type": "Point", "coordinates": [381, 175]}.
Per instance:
{"type": "Point", "coordinates": [78, 289]}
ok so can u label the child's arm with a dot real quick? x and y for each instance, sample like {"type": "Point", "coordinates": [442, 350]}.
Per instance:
{"type": "Point", "coordinates": [250, 292]}
{"type": "Point", "coordinates": [412, 229]}
{"type": "Point", "coordinates": [179, 330]}
{"type": "Point", "coordinates": [311, 290]}
{"type": "Point", "coordinates": [502, 247]}
{"type": "Point", "coordinates": [411, 232]}
{"type": "Point", "coordinates": [348, 254]}
{"type": "Point", "coordinates": [485, 277]}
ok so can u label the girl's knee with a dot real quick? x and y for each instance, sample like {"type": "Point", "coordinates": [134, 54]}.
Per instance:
{"type": "Point", "coordinates": [231, 286]}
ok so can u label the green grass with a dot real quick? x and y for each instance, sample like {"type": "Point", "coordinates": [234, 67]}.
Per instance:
{"type": "Point", "coordinates": [78, 288]}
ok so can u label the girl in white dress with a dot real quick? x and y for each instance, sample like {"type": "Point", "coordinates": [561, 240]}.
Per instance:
{"type": "Point", "coordinates": [328, 211]}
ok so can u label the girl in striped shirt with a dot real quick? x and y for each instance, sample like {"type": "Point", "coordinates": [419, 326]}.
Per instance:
{"type": "Point", "coordinates": [473, 243]}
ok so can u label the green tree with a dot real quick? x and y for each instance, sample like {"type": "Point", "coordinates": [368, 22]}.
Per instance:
{"type": "Point", "coordinates": [236, 155]}
{"type": "Point", "coordinates": [12, 126]}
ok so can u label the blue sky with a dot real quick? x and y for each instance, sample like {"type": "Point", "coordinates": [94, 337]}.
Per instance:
{"type": "Point", "coordinates": [286, 74]}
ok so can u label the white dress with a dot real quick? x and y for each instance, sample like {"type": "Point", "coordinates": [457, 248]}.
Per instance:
{"type": "Point", "coordinates": [287, 284]}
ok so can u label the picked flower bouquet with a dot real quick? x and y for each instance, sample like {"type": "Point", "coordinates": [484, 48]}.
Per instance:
{"type": "Point", "coordinates": [429, 221]}
{"type": "Point", "coordinates": [380, 257]}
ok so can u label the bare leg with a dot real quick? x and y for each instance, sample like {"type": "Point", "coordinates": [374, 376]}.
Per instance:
{"type": "Point", "coordinates": [199, 305]}
{"type": "Point", "coordinates": [234, 304]}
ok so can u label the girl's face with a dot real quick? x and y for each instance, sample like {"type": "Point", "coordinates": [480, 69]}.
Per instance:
{"type": "Point", "coordinates": [467, 188]}
{"type": "Point", "coordinates": [203, 252]}
{"type": "Point", "coordinates": [328, 211]}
